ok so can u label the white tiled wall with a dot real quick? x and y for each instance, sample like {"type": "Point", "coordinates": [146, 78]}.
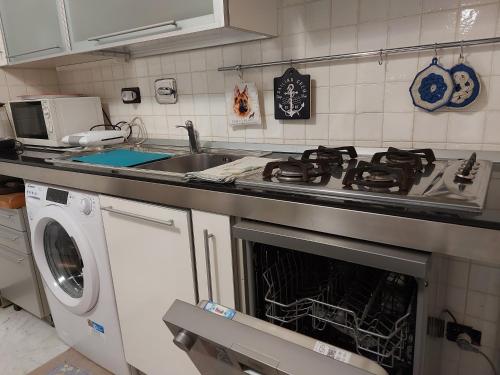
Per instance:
{"type": "Point", "coordinates": [17, 82]}
{"type": "Point", "coordinates": [472, 293]}
{"type": "Point", "coordinates": [358, 102]}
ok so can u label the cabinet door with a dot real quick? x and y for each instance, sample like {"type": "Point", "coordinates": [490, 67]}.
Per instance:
{"type": "Point", "coordinates": [109, 21]}
{"type": "Point", "coordinates": [31, 28]}
{"type": "Point", "coordinates": [151, 263]}
{"type": "Point", "coordinates": [212, 236]}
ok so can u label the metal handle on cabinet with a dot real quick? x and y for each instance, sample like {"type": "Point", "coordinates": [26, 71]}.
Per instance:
{"type": "Point", "coordinates": [6, 216]}
{"type": "Point", "coordinates": [135, 30]}
{"type": "Point", "coordinates": [31, 52]}
{"type": "Point", "coordinates": [9, 238]}
{"type": "Point", "coordinates": [10, 257]}
{"type": "Point", "coordinates": [140, 217]}
{"type": "Point", "coordinates": [206, 237]}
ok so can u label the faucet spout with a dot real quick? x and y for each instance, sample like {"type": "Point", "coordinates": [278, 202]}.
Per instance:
{"type": "Point", "coordinates": [193, 136]}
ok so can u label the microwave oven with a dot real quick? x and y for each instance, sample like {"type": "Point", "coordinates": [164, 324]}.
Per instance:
{"type": "Point", "coordinates": [45, 121]}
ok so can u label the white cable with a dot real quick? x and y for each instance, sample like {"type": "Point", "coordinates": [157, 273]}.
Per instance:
{"type": "Point", "coordinates": [464, 342]}
{"type": "Point", "coordinates": [142, 134]}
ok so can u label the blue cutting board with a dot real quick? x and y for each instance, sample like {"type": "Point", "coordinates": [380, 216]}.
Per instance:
{"type": "Point", "coordinates": [121, 158]}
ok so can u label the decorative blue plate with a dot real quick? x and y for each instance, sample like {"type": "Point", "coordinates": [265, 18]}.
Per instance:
{"type": "Point", "coordinates": [467, 86]}
{"type": "Point", "coordinates": [432, 87]}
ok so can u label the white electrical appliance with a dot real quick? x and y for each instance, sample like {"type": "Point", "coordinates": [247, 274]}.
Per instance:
{"type": "Point", "coordinates": [96, 138]}
{"type": "Point", "coordinates": [70, 251]}
{"type": "Point", "coordinates": [44, 121]}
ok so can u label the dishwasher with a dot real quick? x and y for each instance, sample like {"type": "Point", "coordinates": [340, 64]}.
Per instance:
{"type": "Point", "coordinates": [312, 303]}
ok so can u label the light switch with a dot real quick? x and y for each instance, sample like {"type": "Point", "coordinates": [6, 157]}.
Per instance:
{"type": "Point", "coordinates": [166, 91]}
{"type": "Point", "coordinates": [131, 95]}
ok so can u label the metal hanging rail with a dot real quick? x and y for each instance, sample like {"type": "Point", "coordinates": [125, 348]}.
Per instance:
{"type": "Point", "coordinates": [374, 53]}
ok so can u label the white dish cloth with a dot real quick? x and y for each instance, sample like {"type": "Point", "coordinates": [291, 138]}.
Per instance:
{"type": "Point", "coordinates": [227, 173]}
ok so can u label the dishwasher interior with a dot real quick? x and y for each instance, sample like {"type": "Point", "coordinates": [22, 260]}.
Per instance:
{"type": "Point", "coordinates": [361, 309]}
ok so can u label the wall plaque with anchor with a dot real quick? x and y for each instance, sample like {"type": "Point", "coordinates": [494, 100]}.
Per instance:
{"type": "Point", "coordinates": [292, 96]}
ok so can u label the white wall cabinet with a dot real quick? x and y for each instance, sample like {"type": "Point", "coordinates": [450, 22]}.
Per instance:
{"type": "Point", "coordinates": [212, 236]}
{"type": "Point", "coordinates": [151, 263]}
{"type": "Point", "coordinates": [31, 28]}
{"type": "Point", "coordinates": [145, 28]}
{"type": "Point", "coordinates": [37, 29]}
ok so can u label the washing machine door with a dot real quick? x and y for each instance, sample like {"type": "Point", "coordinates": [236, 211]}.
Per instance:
{"type": "Point", "coordinates": [66, 259]}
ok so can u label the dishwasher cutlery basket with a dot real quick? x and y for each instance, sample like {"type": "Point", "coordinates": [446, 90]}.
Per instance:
{"type": "Point", "coordinates": [374, 308]}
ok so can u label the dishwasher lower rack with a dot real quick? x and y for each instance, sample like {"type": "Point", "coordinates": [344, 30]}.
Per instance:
{"type": "Point", "coordinates": [374, 308]}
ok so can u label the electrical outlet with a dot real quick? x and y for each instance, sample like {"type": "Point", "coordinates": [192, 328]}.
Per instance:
{"type": "Point", "coordinates": [455, 329]}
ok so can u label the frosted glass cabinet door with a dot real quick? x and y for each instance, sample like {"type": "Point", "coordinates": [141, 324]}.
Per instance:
{"type": "Point", "coordinates": [109, 21]}
{"type": "Point", "coordinates": [31, 28]}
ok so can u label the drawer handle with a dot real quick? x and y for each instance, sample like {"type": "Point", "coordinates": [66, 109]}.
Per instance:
{"type": "Point", "coordinates": [9, 238]}
{"type": "Point", "coordinates": [11, 257]}
{"type": "Point", "coordinates": [6, 216]}
{"type": "Point", "coordinates": [136, 216]}
{"type": "Point", "coordinates": [131, 31]}
{"type": "Point", "coordinates": [206, 237]}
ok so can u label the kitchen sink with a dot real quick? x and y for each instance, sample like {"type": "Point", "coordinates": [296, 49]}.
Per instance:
{"type": "Point", "coordinates": [190, 163]}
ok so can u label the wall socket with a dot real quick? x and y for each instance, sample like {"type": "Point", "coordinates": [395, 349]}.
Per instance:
{"type": "Point", "coordinates": [455, 329]}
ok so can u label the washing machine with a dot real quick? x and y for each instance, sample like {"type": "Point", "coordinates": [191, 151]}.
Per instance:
{"type": "Point", "coordinates": [69, 248]}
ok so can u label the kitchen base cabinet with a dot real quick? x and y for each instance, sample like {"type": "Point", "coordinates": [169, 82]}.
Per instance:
{"type": "Point", "coordinates": [212, 237]}
{"type": "Point", "coordinates": [151, 263]}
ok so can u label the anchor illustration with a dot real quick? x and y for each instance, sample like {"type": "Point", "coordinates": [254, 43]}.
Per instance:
{"type": "Point", "coordinates": [291, 93]}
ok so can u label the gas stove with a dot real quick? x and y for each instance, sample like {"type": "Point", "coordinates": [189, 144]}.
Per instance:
{"type": "Point", "coordinates": [394, 177]}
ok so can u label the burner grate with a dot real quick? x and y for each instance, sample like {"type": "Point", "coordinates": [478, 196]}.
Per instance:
{"type": "Point", "coordinates": [293, 170]}
{"type": "Point", "coordinates": [379, 176]}
{"type": "Point", "coordinates": [330, 155]}
{"type": "Point", "coordinates": [394, 157]}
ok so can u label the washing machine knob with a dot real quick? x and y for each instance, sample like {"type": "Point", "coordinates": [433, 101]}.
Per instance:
{"type": "Point", "coordinates": [86, 206]}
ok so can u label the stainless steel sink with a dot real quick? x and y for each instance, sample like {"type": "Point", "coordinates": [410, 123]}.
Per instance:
{"type": "Point", "coordinates": [190, 163]}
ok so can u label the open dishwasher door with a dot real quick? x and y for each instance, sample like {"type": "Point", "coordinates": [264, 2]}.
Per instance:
{"type": "Point", "coordinates": [221, 341]}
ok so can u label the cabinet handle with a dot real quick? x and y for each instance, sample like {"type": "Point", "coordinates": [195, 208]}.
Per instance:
{"type": "Point", "coordinates": [9, 238]}
{"type": "Point", "coordinates": [35, 51]}
{"type": "Point", "coordinates": [136, 216]}
{"type": "Point", "coordinates": [130, 31]}
{"type": "Point", "coordinates": [6, 216]}
{"type": "Point", "coordinates": [11, 257]}
{"type": "Point", "coordinates": [206, 237]}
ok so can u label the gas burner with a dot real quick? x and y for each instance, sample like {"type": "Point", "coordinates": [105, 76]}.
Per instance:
{"type": "Point", "coordinates": [379, 176]}
{"type": "Point", "coordinates": [394, 157]}
{"type": "Point", "coordinates": [330, 155]}
{"type": "Point", "coordinates": [293, 170]}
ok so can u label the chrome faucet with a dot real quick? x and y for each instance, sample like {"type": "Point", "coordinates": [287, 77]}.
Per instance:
{"type": "Point", "coordinates": [193, 136]}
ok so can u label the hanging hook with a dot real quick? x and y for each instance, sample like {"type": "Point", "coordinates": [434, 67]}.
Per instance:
{"type": "Point", "coordinates": [461, 58]}
{"type": "Point", "coordinates": [381, 57]}
{"type": "Point", "coordinates": [240, 72]}
{"type": "Point", "coordinates": [435, 50]}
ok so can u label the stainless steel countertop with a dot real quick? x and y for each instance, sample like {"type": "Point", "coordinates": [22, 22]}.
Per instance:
{"type": "Point", "coordinates": [469, 242]}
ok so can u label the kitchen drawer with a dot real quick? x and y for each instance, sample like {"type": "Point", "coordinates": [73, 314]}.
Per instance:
{"type": "Point", "coordinates": [15, 239]}
{"type": "Point", "coordinates": [18, 283]}
{"type": "Point", "coordinates": [12, 218]}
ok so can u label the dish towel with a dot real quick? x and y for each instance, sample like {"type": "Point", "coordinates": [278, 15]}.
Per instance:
{"type": "Point", "coordinates": [227, 173]}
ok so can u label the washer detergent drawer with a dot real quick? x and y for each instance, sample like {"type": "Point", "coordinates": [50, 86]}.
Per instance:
{"type": "Point", "coordinates": [14, 239]}
{"type": "Point", "coordinates": [17, 280]}
{"type": "Point", "coordinates": [12, 218]}
{"type": "Point", "coordinates": [219, 340]}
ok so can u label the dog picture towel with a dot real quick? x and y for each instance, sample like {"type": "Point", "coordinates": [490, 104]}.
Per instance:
{"type": "Point", "coordinates": [243, 105]}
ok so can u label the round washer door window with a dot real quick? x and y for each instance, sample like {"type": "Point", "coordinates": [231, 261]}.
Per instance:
{"type": "Point", "coordinates": [64, 259]}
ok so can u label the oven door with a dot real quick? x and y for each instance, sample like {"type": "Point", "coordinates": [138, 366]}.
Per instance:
{"type": "Point", "coordinates": [220, 340]}
{"type": "Point", "coordinates": [29, 120]}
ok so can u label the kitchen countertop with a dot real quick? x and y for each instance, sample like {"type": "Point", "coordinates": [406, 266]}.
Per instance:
{"type": "Point", "coordinates": [472, 236]}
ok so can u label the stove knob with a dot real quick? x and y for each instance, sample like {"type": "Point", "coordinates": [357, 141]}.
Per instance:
{"type": "Point", "coordinates": [86, 206]}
